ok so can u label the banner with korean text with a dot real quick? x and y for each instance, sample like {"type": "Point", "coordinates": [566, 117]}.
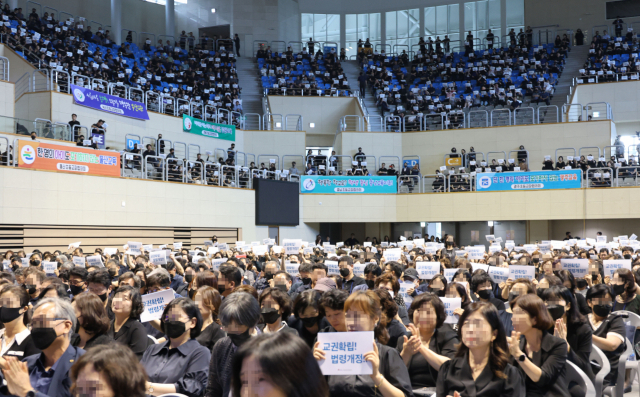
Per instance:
{"type": "Point", "coordinates": [46, 156]}
{"type": "Point", "coordinates": [532, 180]}
{"type": "Point", "coordinates": [109, 103]}
{"type": "Point", "coordinates": [196, 126]}
{"type": "Point", "coordinates": [348, 184]}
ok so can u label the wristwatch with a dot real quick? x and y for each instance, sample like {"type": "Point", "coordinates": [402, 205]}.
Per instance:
{"type": "Point", "coordinates": [149, 391]}
{"type": "Point", "coordinates": [522, 357]}
{"type": "Point", "coordinates": [31, 393]}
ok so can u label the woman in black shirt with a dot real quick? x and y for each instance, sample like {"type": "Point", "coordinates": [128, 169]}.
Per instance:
{"type": "Point", "coordinates": [208, 300]}
{"type": "Point", "coordinates": [126, 327]}
{"type": "Point", "coordinates": [390, 376]}
{"type": "Point", "coordinates": [307, 318]}
{"type": "Point", "coordinates": [389, 308]}
{"type": "Point", "coordinates": [16, 337]}
{"type": "Point", "coordinates": [481, 366]}
{"type": "Point", "coordinates": [429, 345]}
{"type": "Point", "coordinates": [560, 163]}
{"type": "Point", "coordinates": [274, 306]}
{"type": "Point", "coordinates": [93, 322]}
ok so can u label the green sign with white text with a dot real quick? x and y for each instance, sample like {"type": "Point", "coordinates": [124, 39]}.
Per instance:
{"type": "Point", "coordinates": [206, 128]}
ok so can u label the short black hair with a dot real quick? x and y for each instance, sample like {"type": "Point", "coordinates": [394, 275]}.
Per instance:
{"type": "Point", "coordinates": [373, 268]}
{"type": "Point", "coordinates": [396, 268]}
{"type": "Point", "coordinates": [478, 279]}
{"type": "Point", "coordinates": [79, 272]}
{"type": "Point", "coordinates": [136, 300]}
{"type": "Point", "coordinates": [159, 279]}
{"type": "Point", "coordinates": [100, 277]}
{"type": "Point", "coordinates": [231, 273]}
{"type": "Point", "coordinates": [334, 299]}
{"type": "Point", "coordinates": [320, 266]}
{"type": "Point", "coordinates": [310, 297]}
{"type": "Point", "coordinates": [190, 309]}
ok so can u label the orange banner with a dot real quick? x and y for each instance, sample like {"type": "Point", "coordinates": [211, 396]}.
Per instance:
{"type": "Point", "coordinates": [452, 161]}
{"type": "Point", "coordinates": [46, 156]}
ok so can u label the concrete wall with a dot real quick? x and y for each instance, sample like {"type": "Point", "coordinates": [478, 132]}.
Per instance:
{"type": "Point", "coordinates": [17, 65]}
{"type": "Point", "coordinates": [624, 98]}
{"type": "Point", "coordinates": [7, 99]}
{"type": "Point", "coordinates": [324, 112]}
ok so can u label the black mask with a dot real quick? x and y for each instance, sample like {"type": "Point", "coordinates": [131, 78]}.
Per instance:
{"type": "Point", "coordinates": [306, 280]}
{"type": "Point", "coordinates": [43, 337]}
{"type": "Point", "coordinates": [77, 330]}
{"type": "Point", "coordinates": [618, 289]}
{"type": "Point", "coordinates": [31, 288]}
{"type": "Point", "coordinates": [484, 294]}
{"type": "Point", "coordinates": [344, 272]}
{"type": "Point", "coordinates": [370, 283]}
{"type": "Point", "coordinates": [437, 291]}
{"type": "Point", "coordinates": [268, 275]}
{"type": "Point", "coordinates": [309, 322]}
{"type": "Point", "coordinates": [221, 288]}
{"type": "Point", "coordinates": [282, 287]}
{"type": "Point", "coordinates": [449, 243]}
{"type": "Point", "coordinates": [34, 262]}
{"type": "Point", "coordinates": [75, 290]}
{"type": "Point", "coordinates": [142, 284]}
{"type": "Point", "coordinates": [174, 329]}
{"type": "Point", "coordinates": [188, 277]}
{"type": "Point", "coordinates": [627, 256]}
{"type": "Point", "coordinates": [192, 293]}
{"type": "Point", "coordinates": [270, 315]}
{"type": "Point", "coordinates": [239, 339]}
{"type": "Point", "coordinates": [556, 311]}
{"type": "Point", "coordinates": [535, 260]}
{"type": "Point", "coordinates": [103, 297]}
{"type": "Point", "coordinates": [581, 283]}
{"type": "Point", "coordinates": [8, 314]}
{"type": "Point", "coordinates": [513, 296]}
{"type": "Point", "coordinates": [602, 310]}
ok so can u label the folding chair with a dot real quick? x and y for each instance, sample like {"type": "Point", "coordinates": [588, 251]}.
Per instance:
{"type": "Point", "coordinates": [575, 374]}
{"type": "Point", "coordinates": [598, 356]}
{"type": "Point", "coordinates": [634, 320]}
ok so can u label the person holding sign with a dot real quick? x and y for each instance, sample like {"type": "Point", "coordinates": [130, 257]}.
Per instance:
{"type": "Point", "coordinates": [609, 330]}
{"type": "Point", "coordinates": [430, 345]}
{"type": "Point", "coordinates": [521, 286]}
{"type": "Point", "coordinates": [16, 337]}
{"type": "Point", "coordinates": [390, 377]}
{"type": "Point", "coordinates": [481, 366]}
{"type": "Point", "coordinates": [482, 285]}
{"type": "Point", "coordinates": [274, 306]}
{"type": "Point", "coordinates": [569, 281]}
{"type": "Point", "coordinates": [186, 372]}
{"type": "Point", "coordinates": [540, 356]}
{"type": "Point", "coordinates": [573, 328]}
{"type": "Point", "coordinates": [277, 364]}
{"type": "Point", "coordinates": [126, 328]}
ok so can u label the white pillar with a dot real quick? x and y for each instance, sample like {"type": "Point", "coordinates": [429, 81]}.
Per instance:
{"type": "Point", "coordinates": [116, 21]}
{"type": "Point", "coordinates": [343, 34]}
{"type": "Point", "coordinates": [13, 4]}
{"type": "Point", "coordinates": [383, 30]}
{"type": "Point", "coordinates": [503, 19]}
{"type": "Point", "coordinates": [170, 18]}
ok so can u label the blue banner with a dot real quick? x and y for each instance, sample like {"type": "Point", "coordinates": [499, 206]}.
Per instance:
{"type": "Point", "coordinates": [348, 184]}
{"type": "Point", "coordinates": [109, 103]}
{"type": "Point", "coordinates": [532, 180]}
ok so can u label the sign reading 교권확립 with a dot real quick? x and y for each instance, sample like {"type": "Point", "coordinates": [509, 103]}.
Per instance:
{"type": "Point", "coordinates": [532, 180]}
{"type": "Point", "coordinates": [348, 184]}
{"type": "Point", "coordinates": [196, 126]}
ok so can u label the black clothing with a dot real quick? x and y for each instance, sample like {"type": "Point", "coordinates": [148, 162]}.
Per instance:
{"type": "Point", "coordinates": [396, 332]}
{"type": "Point", "coordinates": [22, 350]}
{"type": "Point", "coordinates": [307, 336]}
{"type": "Point", "coordinates": [613, 323]}
{"type": "Point", "coordinates": [97, 340]}
{"type": "Point", "coordinates": [354, 282]}
{"type": "Point", "coordinates": [210, 335]}
{"type": "Point", "coordinates": [132, 334]}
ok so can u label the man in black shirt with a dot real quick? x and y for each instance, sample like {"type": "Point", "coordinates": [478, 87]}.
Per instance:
{"type": "Point", "coordinates": [363, 84]}
{"type": "Point", "coordinates": [360, 155]}
{"type": "Point", "coordinates": [74, 121]}
{"type": "Point", "coordinates": [351, 241]}
{"type": "Point", "coordinates": [349, 280]}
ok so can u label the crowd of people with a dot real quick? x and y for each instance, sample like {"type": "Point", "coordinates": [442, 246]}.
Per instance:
{"type": "Point", "coordinates": [246, 321]}
{"type": "Point", "coordinates": [177, 73]}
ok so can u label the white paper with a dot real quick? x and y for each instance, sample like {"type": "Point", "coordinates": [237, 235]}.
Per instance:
{"type": "Point", "coordinates": [358, 269]}
{"type": "Point", "coordinates": [451, 304]}
{"type": "Point", "coordinates": [49, 267]}
{"type": "Point", "coordinates": [498, 274]}
{"type": "Point", "coordinates": [427, 270]}
{"type": "Point", "coordinates": [108, 251]}
{"type": "Point", "coordinates": [292, 268]}
{"type": "Point", "coordinates": [135, 247]}
{"type": "Point", "coordinates": [344, 352]}
{"type": "Point", "coordinates": [154, 304]}
{"type": "Point", "coordinates": [333, 267]}
{"type": "Point", "coordinates": [259, 249]}
{"type": "Point", "coordinates": [475, 266]}
{"type": "Point", "coordinates": [404, 286]}
{"type": "Point", "coordinates": [77, 260]}
{"type": "Point", "coordinates": [74, 245]}
{"type": "Point", "coordinates": [292, 246]}
{"type": "Point", "coordinates": [95, 260]}
{"type": "Point", "coordinates": [611, 265]}
{"type": "Point", "coordinates": [449, 273]}
{"type": "Point", "coordinates": [177, 246]}
{"type": "Point", "coordinates": [392, 254]}
{"type": "Point", "coordinates": [476, 252]}
{"type": "Point", "coordinates": [577, 267]}
{"type": "Point", "coordinates": [158, 257]}
{"type": "Point", "coordinates": [520, 271]}
{"type": "Point", "coordinates": [215, 263]}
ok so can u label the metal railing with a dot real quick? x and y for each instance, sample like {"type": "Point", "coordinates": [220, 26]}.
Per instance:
{"type": "Point", "coordinates": [599, 177]}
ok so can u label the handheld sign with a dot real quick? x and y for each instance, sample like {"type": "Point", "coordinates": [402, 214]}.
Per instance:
{"type": "Point", "coordinates": [25, 262]}
{"type": "Point", "coordinates": [154, 304]}
{"type": "Point", "coordinates": [449, 273]}
{"type": "Point", "coordinates": [519, 271]}
{"type": "Point", "coordinates": [95, 260]}
{"type": "Point", "coordinates": [177, 246]}
{"type": "Point", "coordinates": [215, 263]}
{"type": "Point", "coordinates": [158, 257]}
{"type": "Point", "coordinates": [78, 260]}
{"type": "Point", "coordinates": [358, 269]}
{"type": "Point", "coordinates": [611, 265]}
{"type": "Point", "coordinates": [108, 251]}
{"type": "Point", "coordinates": [475, 266]}
{"type": "Point", "coordinates": [49, 267]}
{"type": "Point", "coordinates": [6, 264]}
{"type": "Point", "coordinates": [259, 249]}
{"type": "Point", "coordinates": [292, 246]}
{"type": "Point", "coordinates": [451, 304]}
{"type": "Point", "coordinates": [344, 352]}
{"type": "Point", "coordinates": [476, 252]}
{"type": "Point", "coordinates": [392, 254]}
{"type": "Point", "coordinates": [135, 247]}
{"type": "Point", "coordinates": [577, 267]}
{"type": "Point", "coordinates": [498, 274]}
{"type": "Point", "coordinates": [277, 249]}
{"type": "Point", "coordinates": [427, 270]}
{"type": "Point", "coordinates": [74, 245]}
{"type": "Point", "coordinates": [404, 286]}
{"type": "Point", "coordinates": [292, 268]}
{"type": "Point", "coordinates": [147, 247]}
{"type": "Point", "coordinates": [333, 267]}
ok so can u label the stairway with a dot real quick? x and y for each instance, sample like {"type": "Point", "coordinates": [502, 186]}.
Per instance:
{"type": "Point", "coordinates": [352, 71]}
{"type": "Point", "coordinates": [574, 62]}
{"type": "Point", "coordinates": [247, 70]}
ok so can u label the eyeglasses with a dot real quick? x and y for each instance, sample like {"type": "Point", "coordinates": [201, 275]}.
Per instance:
{"type": "Point", "coordinates": [45, 322]}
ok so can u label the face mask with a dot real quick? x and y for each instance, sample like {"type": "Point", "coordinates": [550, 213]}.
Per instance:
{"type": "Point", "coordinates": [221, 288]}
{"type": "Point", "coordinates": [192, 293]}
{"type": "Point", "coordinates": [268, 276]}
{"type": "Point", "coordinates": [142, 284]}
{"type": "Point", "coordinates": [282, 287]}
{"type": "Point", "coordinates": [31, 289]}
{"type": "Point", "coordinates": [7, 314]}
{"type": "Point", "coordinates": [103, 297]}
{"type": "Point", "coordinates": [309, 322]}
{"type": "Point", "coordinates": [627, 256]}
{"type": "Point", "coordinates": [513, 296]}
{"type": "Point", "coordinates": [581, 283]}
{"type": "Point", "coordinates": [556, 311]}
{"type": "Point", "coordinates": [484, 294]}
{"type": "Point", "coordinates": [344, 272]}
{"type": "Point", "coordinates": [77, 330]}
{"type": "Point", "coordinates": [370, 283]}
{"type": "Point", "coordinates": [618, 289]}
{"type": "Point", "coordinates": [34, 262]}
{"type": "Point", "coordinates": [174, 329]}
{"type": "Point", "coordinates": [75, 290]}
{"type": "Point", "coordinates": [391, 293]}
{"type": "Point", "coordinates": [270, 315]}
{"type": "Point", "coordinates": [306, 280]}
{"type": "Point", "coordinates": [536, 260]}
{"type": "Point", "coordinates": [188, 277]}
{"type": "Point", "coordinates": [239, 339]}
{"type": "Point", "coordinates": [449, 243]}
{"type": "Point", "coordinates": [602, 310]}
{"type": "Point", "coordinates": [437, 292]}
{"type": "Point", "coordinates": [43, 337]}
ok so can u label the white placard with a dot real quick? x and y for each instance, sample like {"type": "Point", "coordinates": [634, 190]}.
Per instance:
{"type": "Point", "coordinates": [476, 252]}
{"type": "Point", "coordinates": [366, 244]}
{"type": "Point", "coordinates": [404, 286]}
{"type": "Point", "coordinates": [259, 249]}
{"type": "Point", "coordinates": [475, 266]}
{"type": "Point", "coordinates": [333, 267]}
{"type": "Point", "coordinates": [215, 263]}
{"type": "Point", "coordinates": [268, 241]}
{"type": "Point", "coordinates": [158, 257]}
{"type": "Point", "coordinates": [577, 267]}
{"type": "Point", "coordinates": [74, 245]}
{"type": "Point", "coordinates": [95, 260]}
{"type": "Point", "coordinates": [154, 304]}
{"type": "Point", "coordinates": [358, 269]}
{"type": "Point", "coordinates": [520, 271]}
{"type": "Point", "coordinates": [449, 273]}
{"type": "Point", "coordinates": [292, 246]}
{"type": "Point", "coordinates": [147, 247]}
{"type": "Point", "coordinates": [427, 270]}
{"type": "Point", "coordinates": [498, 274]}
{"type": "Point", "coordinates": [25, 262]}
{"type": "Point", "coordinates": [292, 268]}
{"type": "Point", "coordinates": [49, 267]}
{"type": "Point", "coordinates": [451, 304]}
{"type": "Point", "coordinates": [344, 352]}
{"type": "Point", "coordinates": [601, 239]}
{"type": "Point", "coordinates": [611, 265]}
{"type": "Point", "coordinates": [177, 246]}
{"type": "Point", "coordinates": [392, 254]}
{"type": "Point", "coordinates": [108, 251]}
{"type": "Point", "coordinates": [135, 248]}
{"type": "Point", "coordinates": [213, 250]}
{"type": "Point", "coordinates": [277, 249]}
{"type": "Point", "coordinates": [77, 260]}
{"type": "Point", "coordinates": [490, 237]}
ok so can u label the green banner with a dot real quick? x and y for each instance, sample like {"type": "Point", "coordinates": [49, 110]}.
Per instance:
{"type": "Point", "coordinates": [205, 128]}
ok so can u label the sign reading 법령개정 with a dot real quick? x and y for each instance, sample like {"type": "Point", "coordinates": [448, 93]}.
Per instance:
{"type": "Point", "coordinates": [196, 126]}
{"type": "Point", "coordinates": [344, 352]}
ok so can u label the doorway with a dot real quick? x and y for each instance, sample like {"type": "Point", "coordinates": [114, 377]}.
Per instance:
{"type": "Point", "coordinates": [274, 233]}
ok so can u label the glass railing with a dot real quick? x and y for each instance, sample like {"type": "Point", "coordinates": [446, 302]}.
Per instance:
{"type": "Point", "coordinates": [42, 127]}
